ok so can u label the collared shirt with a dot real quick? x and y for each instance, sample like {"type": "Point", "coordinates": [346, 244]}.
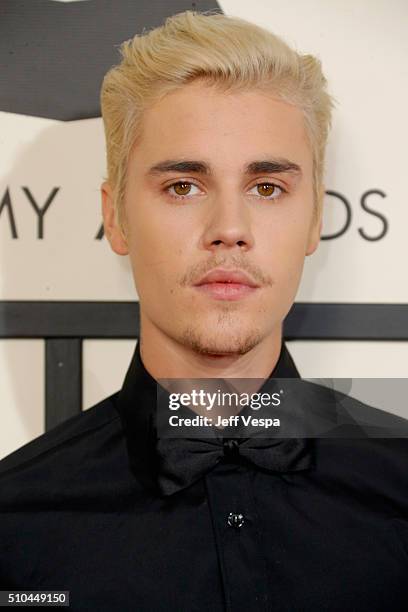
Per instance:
{"type": "Point", "coordinates": [81, 510]}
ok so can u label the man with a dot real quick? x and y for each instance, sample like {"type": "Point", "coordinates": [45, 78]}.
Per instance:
{"type": "Point", "coordinates": [215, 133]}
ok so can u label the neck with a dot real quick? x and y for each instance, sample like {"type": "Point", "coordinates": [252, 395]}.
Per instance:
{"type": "Point", "coordinates": [165, 357]}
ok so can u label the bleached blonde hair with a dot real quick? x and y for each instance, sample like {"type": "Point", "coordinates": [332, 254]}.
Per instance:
{"type": "Point", "coordinates": [228, 52]}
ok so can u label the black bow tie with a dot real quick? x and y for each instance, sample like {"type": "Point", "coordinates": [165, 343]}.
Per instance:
{"type": "Point", "coordinates": [183, 461]}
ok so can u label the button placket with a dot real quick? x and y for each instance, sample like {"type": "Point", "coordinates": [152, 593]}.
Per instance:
{"type": "Point", "coordinates": [237, 538]}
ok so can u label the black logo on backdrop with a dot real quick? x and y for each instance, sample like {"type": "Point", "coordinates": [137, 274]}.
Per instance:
{"type": "Point", "coordinates": [40, 209]}
{"type": "Point", "coordinates": [364, 204]}
{"type": "Point", "coordinates": [53, 55]}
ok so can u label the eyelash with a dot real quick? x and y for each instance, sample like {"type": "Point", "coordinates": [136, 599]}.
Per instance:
{"type": "Point", "coordinates": [183, 197]}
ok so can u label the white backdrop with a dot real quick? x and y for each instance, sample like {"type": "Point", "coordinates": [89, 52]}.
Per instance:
{"type": "Point", "coordinates": [364, 50]}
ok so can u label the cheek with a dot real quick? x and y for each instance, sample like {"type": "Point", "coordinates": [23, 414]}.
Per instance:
{"type": "Point", "coordinates": [285, 239]}
{"type": "Point", "coordinates": [149, 241]}
{"type": "Point", "coordinates": [285, 248]}
{"type": "Point", "coordinates": [158, 260]}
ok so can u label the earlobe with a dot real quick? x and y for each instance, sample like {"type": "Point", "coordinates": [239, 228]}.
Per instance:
{"type": "Point", "coordinates": [112, 230]}
{"type": "Point", "coordinates": [314, 235]}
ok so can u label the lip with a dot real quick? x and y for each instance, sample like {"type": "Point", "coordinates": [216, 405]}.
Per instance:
{"type": "Point", "coordinates": [221, 275]}
{"type": "Point", "coordinates": [222, 284]}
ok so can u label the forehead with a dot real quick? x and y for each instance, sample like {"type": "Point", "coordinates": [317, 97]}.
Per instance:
{"type": "Point", "coordinates": [225, 127]}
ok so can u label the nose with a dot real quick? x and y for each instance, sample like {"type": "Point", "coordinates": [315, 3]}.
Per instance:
{"type": "Point", "coordinates": [228, 225]}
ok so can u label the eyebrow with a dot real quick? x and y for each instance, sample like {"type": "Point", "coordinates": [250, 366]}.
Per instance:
{"type": "Point", "coordinates": [266, 166]}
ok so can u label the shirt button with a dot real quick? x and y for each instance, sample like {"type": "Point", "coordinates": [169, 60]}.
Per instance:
{"type": "Point", "coordinates": [235, 520]}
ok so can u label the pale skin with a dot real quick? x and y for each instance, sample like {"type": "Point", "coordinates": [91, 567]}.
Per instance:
{"type": "Point", "coordinates": [261, 223]}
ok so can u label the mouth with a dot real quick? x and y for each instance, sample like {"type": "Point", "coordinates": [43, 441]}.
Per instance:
{"type": "Point", "coordinates": [227, 285]}
{"type": "Point", "coordinates": [226, 291]}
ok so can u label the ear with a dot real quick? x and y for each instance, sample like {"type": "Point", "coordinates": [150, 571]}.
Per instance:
{"type": "Point", "coordinates": [314, 236]}
{"type": "Point", "coordinates": [111, 228]}
{"type": "Point", "coordinates": [316, 226]}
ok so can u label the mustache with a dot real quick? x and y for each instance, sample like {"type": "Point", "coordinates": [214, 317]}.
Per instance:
{"type": "Point", "coordinates": [245, 265]}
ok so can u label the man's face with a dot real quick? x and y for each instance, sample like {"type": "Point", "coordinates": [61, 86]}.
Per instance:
{"type": "Point", "coordinates": [228, 211]}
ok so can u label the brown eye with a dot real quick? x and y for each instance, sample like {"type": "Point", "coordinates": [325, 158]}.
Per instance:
{"type": "Point", "coordinates": [266, 189]}
{"type": "Point", "coordinates": [182, 188]}
{"type": "Point", "coordinates": [269, 191]}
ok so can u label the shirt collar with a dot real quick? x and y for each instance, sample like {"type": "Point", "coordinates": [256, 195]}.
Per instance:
{"type": "Point", "coordinates": [136, 403]}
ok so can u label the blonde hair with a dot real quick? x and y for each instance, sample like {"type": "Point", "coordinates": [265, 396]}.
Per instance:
{"type": "Point", "coordinates": [227, 52]}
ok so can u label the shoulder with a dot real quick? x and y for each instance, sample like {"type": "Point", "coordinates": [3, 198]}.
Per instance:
{"type": "Point", "coordinates": [357, 443]}
{"type": "Point", "coordinates": [347, 416]}
{"type": "Point", "coordinates": [369, 468]}
{"type": "Point", "coordinates": [63, 438]}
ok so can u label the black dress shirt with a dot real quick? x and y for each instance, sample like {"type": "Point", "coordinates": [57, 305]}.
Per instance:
{"type": "Point", "coordinates": [82, 509]}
